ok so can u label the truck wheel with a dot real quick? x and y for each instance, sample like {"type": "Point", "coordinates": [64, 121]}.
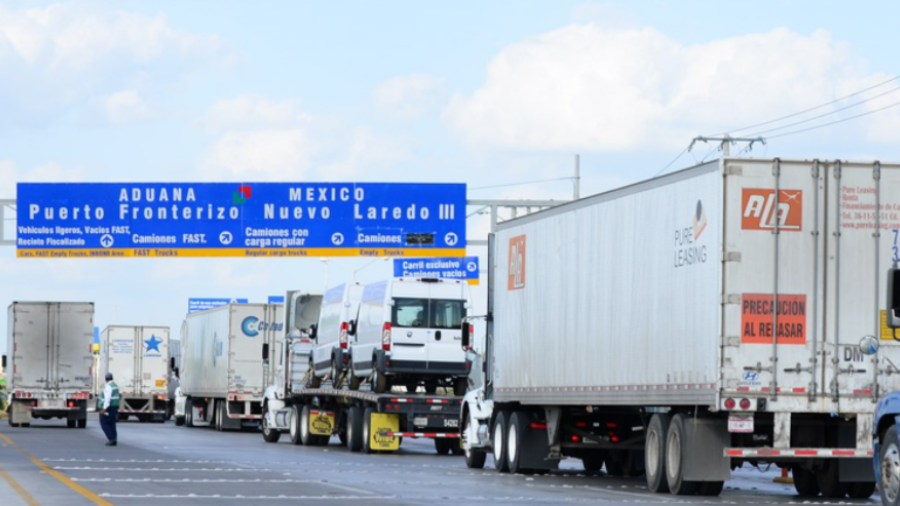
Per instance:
{"type": "Point", "coordinates": [82, 423]}
{"type": "Point", "coordinates": [515, 440]}
{"type": "Point", "coordinates": [354, 429]}
{"type": "Point", "coordinates": [501, 464]}
{"type": "Point", "coordinates": [295, 425]}
{"type": "Point", "coordinates": [179, 421]}
{"type": "Point", "coordinates": [71, 424]}
{"type": "Point", "coordinates": [220, 416]}
{"type": "Point", "coordinates": [827, 477]}
{"type": "Point", "coordinates": [593, 461]}
{"type": "Point", "coordinates": [805, 482]}
{"type": "Point", "coordinates": [335, 374]}
{"type": "Point", "coordinates": [307, 438]}
{"type": "Point", "coordinates": [861, 490]}
{"type": "Point", "coordinates": [710, 488]}
{"type": "Point", "coordinates": [441, 446]}
{"type": "Point", "coordinates": [269, 435]}
{"type": "Point", "coordinates": [380, 383]}
{"type": "Point", "coordinates": [189, 412]}
{"type": "Point", "coordinates": [355, 381]}
{"type": "Point", "coordinates": [460, 386]}
{"type": "Point", "coordinates": [367, 431]}
{"type": "Point", "coordinates": [889, 467]}
{"type": "Point", "coordinates": [655, 453]}
{"type": "Point", "coordinates": [676, 455]}
{"type": "Point", "coordinates": [475, 457]}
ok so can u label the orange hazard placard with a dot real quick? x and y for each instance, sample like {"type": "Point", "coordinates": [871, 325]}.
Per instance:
{"type": "Point", "coordinates": [516, 280]}
{"type": "Point", "coordinates": [758, 321]}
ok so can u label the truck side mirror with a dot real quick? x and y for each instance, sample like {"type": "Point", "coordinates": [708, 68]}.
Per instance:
{"type": "Point", "coordinates": [313, 331]}
{"type": "Point", "coordinates": [466, 336]}
{"type": "Point", "coordinates": [265, 352]}
{"type": "Point", "coordinates": [893, 299]}
{"type": "Point", "coordinates": [172, 363]}
{"type": "Point", "coordinates": [4, 362]}
{"type": "Point", "coordinates": [352, 330]}
{"type": "Point", "coordinates": [177, 374]}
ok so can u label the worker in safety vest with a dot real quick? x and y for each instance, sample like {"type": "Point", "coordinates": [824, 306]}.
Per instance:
{"type": "Point", "coordinates": [109, 410]}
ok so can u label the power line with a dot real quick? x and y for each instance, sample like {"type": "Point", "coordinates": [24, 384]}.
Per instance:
{"type": "Point", "coordinates": [845, 97]}
{"type": "Point", "coordinates": [683, 151]}
{"type": "Point", "coordinates": [895, 104]}
{"type": "Point", "coordinates": [827, 113]}
{"type": "Point", "coordinates": [521, 183]}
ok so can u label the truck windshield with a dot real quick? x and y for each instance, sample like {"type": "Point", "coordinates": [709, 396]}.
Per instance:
{"type": "Point", "coordinates": [425, 313]}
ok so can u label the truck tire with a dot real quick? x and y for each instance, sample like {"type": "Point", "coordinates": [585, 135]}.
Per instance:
{"type": "Point", "coordinates": [460, 386]}
{"type": "Point", "coordinates": [366, 431]}
{"type": "Point", "coordinates": [889, 467]}
{"type": "Point", "coordinates": [269, 435]}
{"type": "Point", "coordinates": [677, 454]}
{"type": "Point", "coordinates": [71, 423]}
{"type": "Point", "coordinates": [499, 434]}
{"type": "Point", "coordinates": [515, 441]}
{"type": "Point", "coordinates": [307, 438]}
{"type": "Point", "coordinates": [655, 453]}
{"type": "Point", "coordinates": [593, 462]}
{"type": "Point", "coordinates": [188, 412]}
{"type": "Point", "coordinates": [829, 484]}
{"type": "Point", "coordinates": [82, 423]}
{"type": "Point", "coordinates": [295, 425]}
{"type": "Point", "coordinates": [380, 383]}
{"type": "Point", "coordinates": [354, 429]}
{"type": "Point", "coordinates": [220, 416]}
{"type": "Point", "coordinates": [861, 489]}
{"type": "Point", "coordinates": [475, 458]}
{"type": "Point", "coordinates": [442, 445]}
{"type": "Point", "coordinates": [805, 482]}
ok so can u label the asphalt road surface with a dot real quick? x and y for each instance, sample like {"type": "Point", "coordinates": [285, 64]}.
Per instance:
{"type": "Point", "coordinates": [163, 465]}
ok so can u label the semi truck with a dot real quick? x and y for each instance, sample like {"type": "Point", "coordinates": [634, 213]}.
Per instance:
{"type": "Point", "coordinates": [361, 418]}
{"type": "Point", "coordinates": [223, 372]}
{"type": "Point", "coordinates": [729, 313]}
{"type": "Point", "coordinates": [49, 361]}
{"type": "Point", "coordinates": [137, 357]}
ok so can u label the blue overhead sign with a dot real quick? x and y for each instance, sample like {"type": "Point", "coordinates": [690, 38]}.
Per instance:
{"type": "Point", "coordinates": [444, 268]}
{"type": "Point", "coordinates": [244, 220]}
{"type": "Point", "coordinates": [195, 305]}
{"type": "Point", "coordinates": [276, 299]}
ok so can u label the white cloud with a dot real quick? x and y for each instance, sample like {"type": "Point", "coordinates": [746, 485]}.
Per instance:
{"type": "Point", "coordinates": [254, 111]}
{"type": "Point", "coordinates": [50, 172]}
{"type": "Point", "coordinates": [588, 88]}
{"type": "Point", "coordinates": [127, 106]}
{"type": "Point", "coordinates": [410, 97]}
{"type": "Point", "coordinates": [260, 155]}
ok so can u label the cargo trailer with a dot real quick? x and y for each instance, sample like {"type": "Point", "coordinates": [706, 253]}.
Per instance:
{"type": "Point", "coordinates": [311, 411]}
{"type": "Point", "coordinates": [729, 313]}
{"type": "Point", "coordinates": [49, 361]}
{"type": "Point", "coordinates": [137, 357]}
{"type": "Point", "coordinates": [223, 372]}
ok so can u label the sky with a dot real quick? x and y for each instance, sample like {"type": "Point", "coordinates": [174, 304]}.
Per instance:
{"type": "Point", "coordinates": [483, 93]}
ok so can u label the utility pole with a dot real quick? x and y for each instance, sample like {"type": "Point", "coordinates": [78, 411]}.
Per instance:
{"type": "Point", "coordinates": [726, 141]}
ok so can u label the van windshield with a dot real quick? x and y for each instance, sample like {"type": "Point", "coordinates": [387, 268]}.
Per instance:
{"type": "Point", "coordinates": [428, 313]}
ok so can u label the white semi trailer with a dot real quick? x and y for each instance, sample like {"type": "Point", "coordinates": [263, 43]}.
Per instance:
{"type": "Point", "coordinates": [138, 358]}
{"type": "Point", "coordinates": [223, 370]}
{"type": "Point", "coordinates": [49, 361]}
{"type": "Point", "coordinates": [725, 314]}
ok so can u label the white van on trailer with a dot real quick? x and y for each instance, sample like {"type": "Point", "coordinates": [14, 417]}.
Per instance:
{"type": "Point", "coordinates": [653, 307]}
{"type": "Point", "coordinates": [408, 333]}
{"type": "Point", "coordinates": [49, 361]}
{"type": "Point", "coordinates": [138, 358]}
{"type": "Point", "coordinates": [363, 420]}
{"type": "Point", "coordinates": [223, 373]}
{"type": "Point", "coordinates": [337, 322]}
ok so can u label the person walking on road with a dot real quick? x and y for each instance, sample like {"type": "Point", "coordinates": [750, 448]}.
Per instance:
{"type": "Point", "coordinates": [109, 410]}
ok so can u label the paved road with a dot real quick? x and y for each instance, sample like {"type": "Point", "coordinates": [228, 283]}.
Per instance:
{"type": "Point", "coordinates": [164, 465]}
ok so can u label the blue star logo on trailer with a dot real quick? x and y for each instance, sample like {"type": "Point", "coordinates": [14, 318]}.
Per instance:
{"type": "Point", "coordinates": [152, 344]}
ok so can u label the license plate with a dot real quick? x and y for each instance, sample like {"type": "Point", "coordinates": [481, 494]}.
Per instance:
{"type": "Point", "coordinates": [742, 424]}
{"type": "Point", "coordinates": [52, 403]}
{"type": "Point", "coordinates": [420, 422]}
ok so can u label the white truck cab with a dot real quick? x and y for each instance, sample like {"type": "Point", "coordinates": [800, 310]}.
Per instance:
{"type": "Point", "coordinates": [409, 333]}
{"type": "Point", "coordinates": [337, 323]}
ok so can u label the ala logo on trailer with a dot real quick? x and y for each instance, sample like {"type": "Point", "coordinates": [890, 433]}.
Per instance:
{"type": "Point", "coordinates": [517, 263]}
{"type": "Point", "coordinates": [251, 326]}
{"type": "Point", "coordinates": [759, 210]}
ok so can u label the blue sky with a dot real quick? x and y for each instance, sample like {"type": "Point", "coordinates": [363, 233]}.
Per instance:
{"type": "Point", "coordinates": [484, 93]}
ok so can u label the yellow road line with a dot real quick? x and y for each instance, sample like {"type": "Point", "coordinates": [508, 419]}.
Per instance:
{"type": "Point", "coordinates": [24, 494]}
{"type": "Point", "coordinates": [89, 495]}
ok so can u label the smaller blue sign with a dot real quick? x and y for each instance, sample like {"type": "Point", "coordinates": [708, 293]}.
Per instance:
{"type": "Point", "coordinates": [96, 335]}
{"type": "Point", "coordinates": [443, 268]}
{"type": "Point", "coordinates": [195, 305]}
{"type": "Point", "coordinates": [276, 299]}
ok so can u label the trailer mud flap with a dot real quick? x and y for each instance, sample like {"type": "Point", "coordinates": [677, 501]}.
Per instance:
{"type": "Point", "coordinates": [321, 423]}
{"type": "Point", "coordinates": [381, 424]}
